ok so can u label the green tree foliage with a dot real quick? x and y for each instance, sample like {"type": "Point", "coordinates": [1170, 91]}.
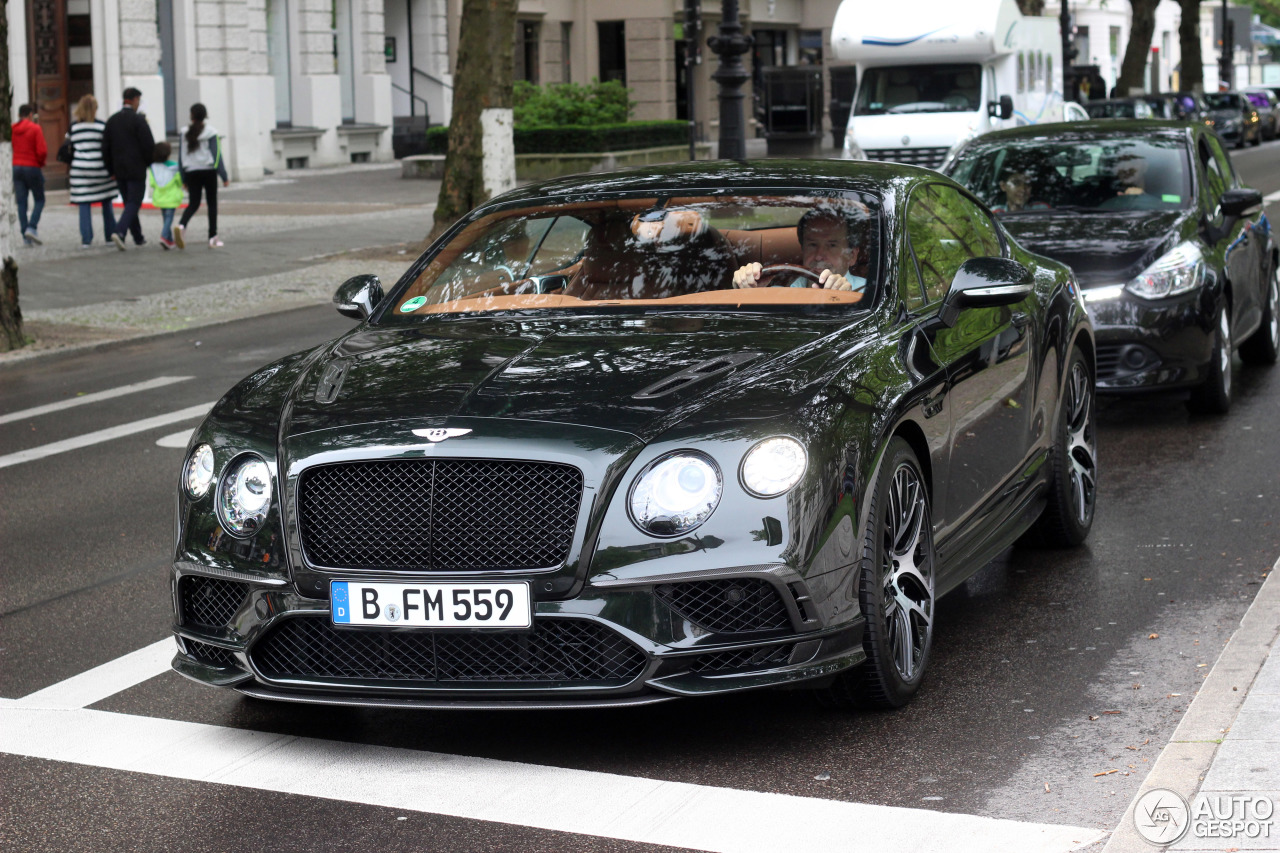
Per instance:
{"type": "Point", "coordinates": [559, 104]}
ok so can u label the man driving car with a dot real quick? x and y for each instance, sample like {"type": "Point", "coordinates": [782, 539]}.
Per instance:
{"type": "Point", "coordinates": [828, 247]}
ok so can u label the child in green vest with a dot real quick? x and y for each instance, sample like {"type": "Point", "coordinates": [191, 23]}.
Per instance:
{"type": "Point", "coordinates": [166, 190]}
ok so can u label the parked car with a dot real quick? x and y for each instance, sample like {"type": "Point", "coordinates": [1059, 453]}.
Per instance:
{"type": "Point", "coordinates": [566, 461]}
{"type": "Point", "coordinates": [1175, 106]}
{"type": "Point", "coordinates": [1119, 108]}
{"type": "Point", "coordinates": [1268, 107]}
{"type": "Point", "coordinates": [1177, 259]}
{"type": "Point", "coordinates": [1234, 118]}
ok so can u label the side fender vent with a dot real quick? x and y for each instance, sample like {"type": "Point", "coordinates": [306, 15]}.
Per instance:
{"type": "Point", "coordinates": [709, 369]}
{"type": "Point", "coordinates": [330, 382]}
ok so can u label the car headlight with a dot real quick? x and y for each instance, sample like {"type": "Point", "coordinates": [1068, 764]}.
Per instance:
{"type": "Point", "coordinates": [244, 495]}
{"type": "Point", "coordinates": [197, 474]}
{"type": "Point", "coordinates": [773, 466]}
{"type": "Point", "coordinates": [1177, 271]}
{"type": "Point", "coordinates": [675, 493]}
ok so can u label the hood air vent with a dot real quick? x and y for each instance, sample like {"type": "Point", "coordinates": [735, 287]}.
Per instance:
{"type": "Point", "coordinates": [709, 369]}
{"type": "Point", "coordinates": [330, 382]}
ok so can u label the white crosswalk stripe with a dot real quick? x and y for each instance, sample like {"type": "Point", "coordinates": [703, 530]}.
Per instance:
{"type": "Point", "coordinates": [95, 397]}
{"type": "Point", "coordinates": [92, 438]}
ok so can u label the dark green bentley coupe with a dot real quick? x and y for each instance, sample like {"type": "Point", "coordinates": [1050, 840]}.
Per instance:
{"type": "Point", "coordinates": [621, 438]}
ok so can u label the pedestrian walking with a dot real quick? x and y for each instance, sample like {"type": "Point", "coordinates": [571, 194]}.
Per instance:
{"type": "Point", "coordinates": [91, 181]}
{"type": "Point", "coordinates": [127, 148]}
{"type": "Point", "coordinates": [29, 155]}
{"type": "Point", "coordinates": [200, 159]}
{"type": "Point", "coordinates": [166, 190]}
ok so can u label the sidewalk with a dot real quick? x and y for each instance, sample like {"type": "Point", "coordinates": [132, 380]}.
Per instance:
{"type": "Point", "coordinates": [1224, 758]}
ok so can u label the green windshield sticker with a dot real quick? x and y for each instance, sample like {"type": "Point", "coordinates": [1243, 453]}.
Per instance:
{"type": "Point", "coordinates": [1172, 199]}
{"type": "Point", "coordinates": [413, 304]}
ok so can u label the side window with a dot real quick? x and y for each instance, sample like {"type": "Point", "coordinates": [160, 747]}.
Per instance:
{"type": "Point", "coordinates": [945, 230]}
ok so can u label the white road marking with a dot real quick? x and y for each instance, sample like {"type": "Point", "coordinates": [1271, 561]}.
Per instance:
{"type": "Point", "coordinates": [97, 396]}
{"type": "Point", "coordinates": [175, 439]}
{"type": "Point", "coordinates": [578, 801]}
{"type": "Point", "coordinates": [106, 680]}
{"type": "Point", "coordinates": [53, 724]}
{"type": "Point", "coordinates": [1272, 198]}
{"type": "Point", "coordinates": [102, 435]}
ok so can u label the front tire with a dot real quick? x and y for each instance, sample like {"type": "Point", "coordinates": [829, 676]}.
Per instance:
{"type": "Point", "coordinates": [1264, 344]}
{"type": "Point", "coordinates": [1073, 495]}
{"type": "Point", "coordinates": [1213, 396]}
{"type": "Point", "coordinates": [895, 588]}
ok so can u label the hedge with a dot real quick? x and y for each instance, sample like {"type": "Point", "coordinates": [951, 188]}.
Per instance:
{"type": "Point", "coordinates": [571, 139]}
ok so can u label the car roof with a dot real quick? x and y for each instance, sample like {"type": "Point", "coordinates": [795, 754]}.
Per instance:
{"type": "Point", "coordinates": [716, 176]}
{"type": "Point", "coordinates": [1094, 128]}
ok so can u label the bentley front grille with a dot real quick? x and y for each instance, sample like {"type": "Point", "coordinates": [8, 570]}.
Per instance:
{"type": "Point", "coordinates": [727, 606]}
{"type": "Point", "coordinates": [439, 515]}
{"type": "Point", "coordinates": [555, 651]}
{"type": "Point", "coordinates": [212, 655]}
{"type": "Point", "coordinates": [210, 602]}
{"type": "Point", "coordinates": [737, 660]}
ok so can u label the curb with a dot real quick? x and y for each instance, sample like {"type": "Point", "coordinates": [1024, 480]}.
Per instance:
{"type": "Point", "coordinates": [1186, 759]}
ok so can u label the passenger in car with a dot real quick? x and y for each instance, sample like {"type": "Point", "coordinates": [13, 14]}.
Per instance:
{"type": "Point", "coordinates": [828, 242]}
{"type": "Point", "coordinates": [1016, 184]}
{"type": "Point", "coordinates": [1131, 177]}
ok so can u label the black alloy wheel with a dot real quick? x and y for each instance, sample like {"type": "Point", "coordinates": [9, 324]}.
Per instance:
{"type": "Point", "coordinates": [1073, 495]}
{"type": "Point", "coordinates": [895, 586]}
{"type": "Point", "coordinates": [1264, 344]}
{"type": "Point", "coordinates": [1213, 395]}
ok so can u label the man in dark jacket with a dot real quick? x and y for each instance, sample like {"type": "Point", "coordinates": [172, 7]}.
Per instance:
{"type": "Point", "coordinates": [127, 148]}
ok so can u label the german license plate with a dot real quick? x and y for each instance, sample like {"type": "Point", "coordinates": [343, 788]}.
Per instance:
{"type": "Point", "coordinates": [431, 605]}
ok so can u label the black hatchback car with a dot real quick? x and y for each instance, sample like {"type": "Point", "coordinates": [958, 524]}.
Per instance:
{"type": "Point", "coordinates": [1177, 258]}
{"type": "Point", "coordinates": [1234, 117]}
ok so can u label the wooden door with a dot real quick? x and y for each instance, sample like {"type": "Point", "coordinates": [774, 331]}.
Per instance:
{"type": "Point", "coordinates": [47, 41]}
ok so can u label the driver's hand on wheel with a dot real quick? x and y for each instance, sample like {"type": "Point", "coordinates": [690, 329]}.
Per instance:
{"type": "Point", "coordinates": [833, 281]}
{"type": "Point", "coordinates": [747, 275]}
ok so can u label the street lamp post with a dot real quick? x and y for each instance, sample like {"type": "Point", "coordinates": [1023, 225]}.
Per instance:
{"type": "Point", "coordinates": [1224, 62]}
{"type": "Point", "coordinates": [1068, 52]}
{"type": "Point", "coordinates": [730, 45]}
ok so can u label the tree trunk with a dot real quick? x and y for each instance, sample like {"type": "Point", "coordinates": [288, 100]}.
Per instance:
{"type": "Point", "coordinates": [1031, 7]}
{"type": "Point", "coordinates": [11, 335]}
{"type": "Point", "coordinates": [486, 44]}
{"type": "Point", "coordinates": [1191, 78]}
{"type": "Point", "coordinates": [1133, 69]}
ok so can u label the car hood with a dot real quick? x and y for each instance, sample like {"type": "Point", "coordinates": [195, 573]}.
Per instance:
{"type": "Point", "coordinates": [1225, 114]}
{"type": "Point", "coordinates": [637, 375]}
{"type": "Point", "coordinates": [1102, 248]}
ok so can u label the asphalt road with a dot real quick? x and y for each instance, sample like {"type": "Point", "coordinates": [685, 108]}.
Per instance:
{"type": "Point", "coordinates": [1049, 667]}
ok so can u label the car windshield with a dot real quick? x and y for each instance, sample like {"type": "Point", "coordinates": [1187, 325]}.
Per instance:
{"type": "Point", "coordinates": [1043, 175]}
{"type": "Point", "coordinates": [919, 89]}
{"type": "Point", "coordinates": [1222, 101]}
{"type": "Point", "coordinates": [1112, 109]}
{"type": "Point", "coordinates": [649, 252]}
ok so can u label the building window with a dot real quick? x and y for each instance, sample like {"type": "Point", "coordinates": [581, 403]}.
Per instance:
{"type": "Point", "coordinates": [1115, 43]}
{"type": "Point", "coordinates": [613, 51]}
{"type": "Point", "coordinates": [278, 59]}
{"type": "Point", "coordinates": [566, 51]}
{"type": "Point", "coordinates": [344, 59]}
{"type": "Point", "coordinates": [1022, 72]}
{"type": "Point", "coordinates": [811, 47]}
{"type": "Point", "coordinates": [526, 52]}
{"type": "Point", "coordinates": [1082, 46]}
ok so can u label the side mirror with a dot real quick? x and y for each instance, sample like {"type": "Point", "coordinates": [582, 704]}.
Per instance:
{"type": "Point", "coordinates": [1001, 109]}
{"type": "Point", "coordinates": [985, 283]}
{"type": "Point", "coordinates": [358, 296]}
{"type": "Point", "coordinates": [1241, 202]}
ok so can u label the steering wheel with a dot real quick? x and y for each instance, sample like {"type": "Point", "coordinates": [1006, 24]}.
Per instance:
{"type": "Point", "coordinates": [789, 269]}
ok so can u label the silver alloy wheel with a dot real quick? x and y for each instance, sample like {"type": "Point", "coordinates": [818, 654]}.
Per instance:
{"type": "Point", "coordinates": [907, 570]}
{"type": "Point", "coordinates": [1224, 335]}
{"type": "Point", "coordinates": [1273, 303]}
{"type": "Point", "coordinates": [1082, 451]}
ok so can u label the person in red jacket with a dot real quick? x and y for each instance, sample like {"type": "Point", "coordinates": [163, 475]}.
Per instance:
{"type": "Point", "coordinates": [29, 155]}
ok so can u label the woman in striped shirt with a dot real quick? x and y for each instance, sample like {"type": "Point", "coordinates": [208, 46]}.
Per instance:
{"type": "Point", "coordinates": [90, 180]}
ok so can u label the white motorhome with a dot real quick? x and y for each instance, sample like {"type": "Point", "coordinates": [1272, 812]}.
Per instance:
{"type": "Point", "coordinates": [934, 73]}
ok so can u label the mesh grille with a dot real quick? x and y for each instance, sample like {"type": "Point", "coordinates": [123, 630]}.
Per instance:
{"type": "Point", "coordinates": [211, 654]}
{"type": "Point", "coordinates": [210, 602]}
{"type": "Point", "coordinates": [761, 657]}
{"type": "Point", "coordinates": [929, 157]}
{"type": "Point", "coordinates": [556, 650]}
{"type": "Point", "coordinates": [727, 606]}
{"type": "Point", "coordinates": [1108, 360]}
{"type": "Point", "coordinates": [440, 515]}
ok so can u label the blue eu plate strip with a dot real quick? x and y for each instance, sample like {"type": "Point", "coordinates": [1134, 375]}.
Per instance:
{"type": "Point", "coordinates": [340, 602]}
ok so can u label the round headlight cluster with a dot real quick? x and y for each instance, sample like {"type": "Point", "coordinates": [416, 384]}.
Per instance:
{"type": "Point", "coordinates": [676, 493]}
{"type": "Point", "coordinates": [773, 466]}
{"type": "Point", "coordinates": [197, 474]}
{"type": "Point", "coordinates": [244, 495]}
